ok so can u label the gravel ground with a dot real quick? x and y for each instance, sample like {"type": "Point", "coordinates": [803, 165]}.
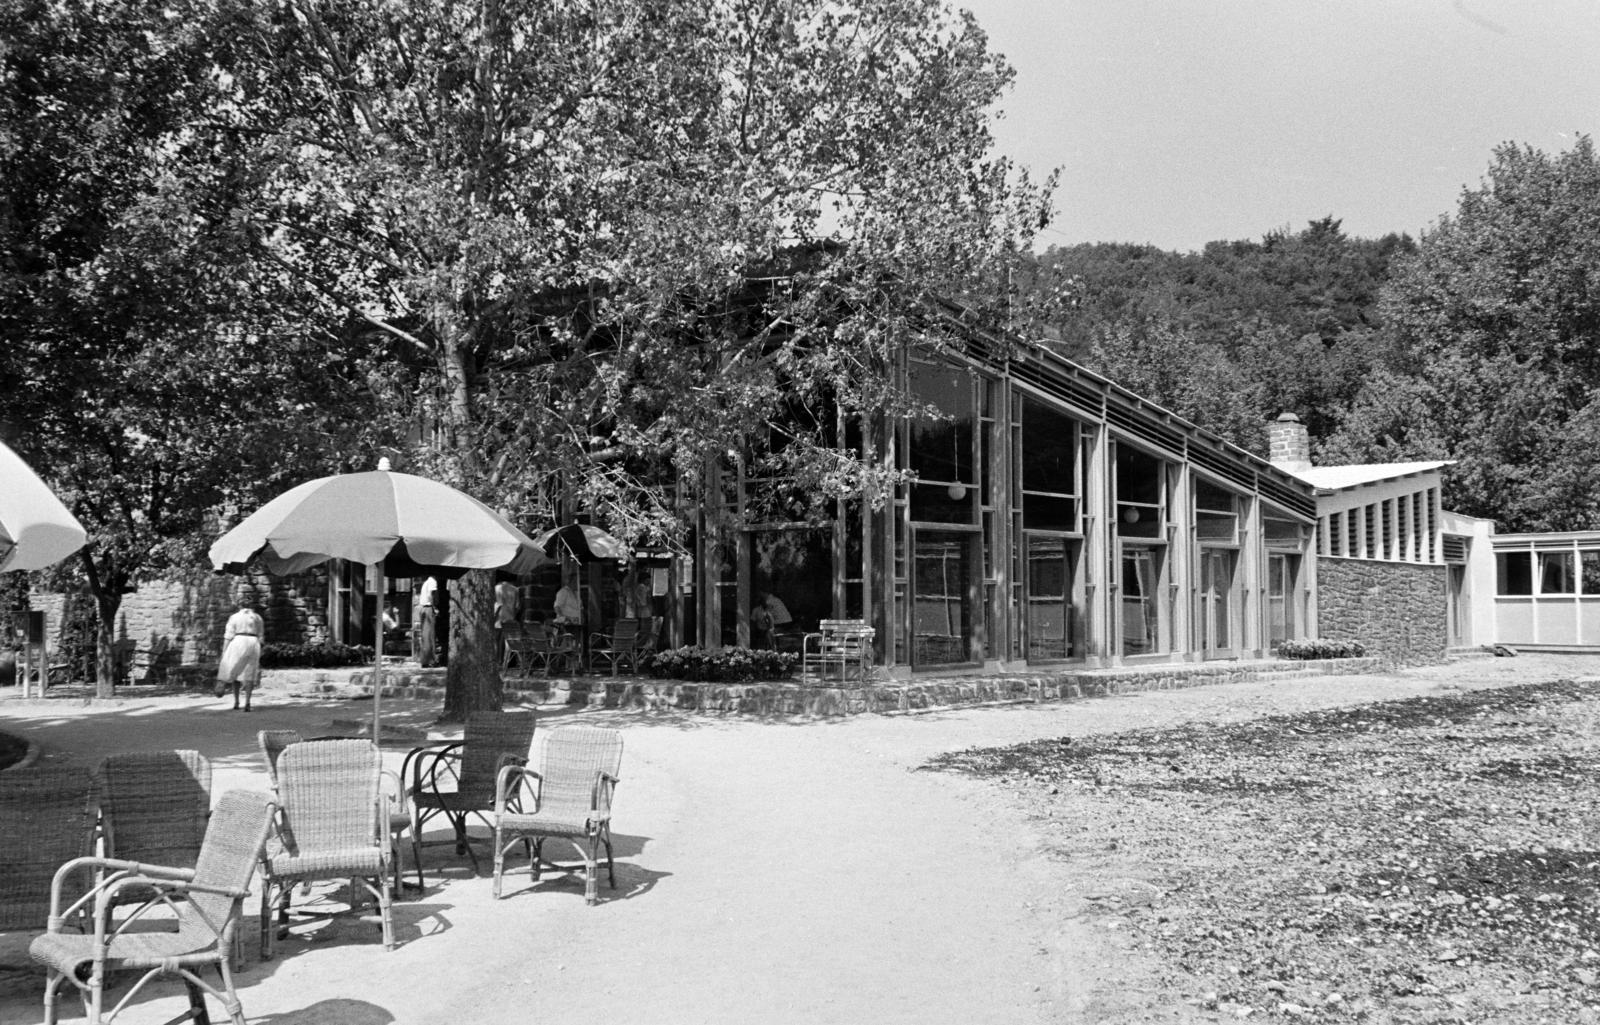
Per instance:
{"type": "Point", "coordinates": [771, 871]}
{"type": "Point", "coordinates": [1421, 859]}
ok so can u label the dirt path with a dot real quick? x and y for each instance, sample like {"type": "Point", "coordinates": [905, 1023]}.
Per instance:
{"type": "Point", "coordinates": [770, 872]}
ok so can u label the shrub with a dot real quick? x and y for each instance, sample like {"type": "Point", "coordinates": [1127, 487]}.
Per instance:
{"type": "Point", "coordinates": [1321, 649]}
{"type": "Point", "coordinates": [727, 665]}
{"type": "Point", "coordinates": [327, 655]}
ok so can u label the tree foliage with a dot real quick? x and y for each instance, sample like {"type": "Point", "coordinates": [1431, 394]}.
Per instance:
{"type": "Point", "coordinates": [603, 233]}
{"type": "Point", "coordinates": [1286, 324]}
{"type": "Point", "coordinates": [1495, 324]}
{"type": "Point", "coordinates": [151, 369]}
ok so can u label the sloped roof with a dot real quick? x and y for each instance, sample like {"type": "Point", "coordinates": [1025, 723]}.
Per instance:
{"type": "Point", "coordinates": [1338, 478]}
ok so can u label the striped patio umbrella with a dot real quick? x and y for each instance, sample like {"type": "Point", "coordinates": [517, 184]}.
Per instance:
{"type": "Point", "coordinates": [396, 523]}
{"type": "Point", "coordinates": [587, 543]}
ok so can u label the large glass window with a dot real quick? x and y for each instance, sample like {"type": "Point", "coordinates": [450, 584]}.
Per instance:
{"type": "Point", "coordinates": [942, 603]}
{"type": "Point", "coordinates": [1514, 572]}
{"type": "Point", "coordinates": [1216, 512]}
{"type": "Point", "coordinates": [1049, 468]}
{"type": "Point", "coordinates": [1556, 573]}
{"type": "Point", "coordinates": [1589, 570]}
{"type": "Point", "coordinates": [941, 451]}
{"type": "Point", "coordinates": [1141, 511]}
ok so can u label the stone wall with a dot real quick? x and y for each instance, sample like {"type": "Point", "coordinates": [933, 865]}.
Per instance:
{"type": "Point", "coordinates": [180, 621]}
{"type": "Point", "coordinates": [1398, 610]}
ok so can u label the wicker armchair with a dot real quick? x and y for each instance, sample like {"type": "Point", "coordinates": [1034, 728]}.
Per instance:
{"type": "Point", "coordinates": [619, 646]}
{"type": "Point", "coordinates": [46, 819]}
{"type": "Point", "coordinates": [272, 744]}
{"type": "Point", "coordinates": [543, 646]}
{"type": "Point", "coordinates": [565, 794]}
{"type": "Point", "coordinates": [206, 901]}
{"type": "Point", "coordinates": [457, 780]}
{"type": "Point", "coordinates": [332, 824]}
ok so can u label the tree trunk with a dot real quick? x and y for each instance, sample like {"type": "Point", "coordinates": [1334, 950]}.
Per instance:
{"type": "Point", "coordinates": [472, 680]}
{"type": "Point", "coordinates": [105, 643]}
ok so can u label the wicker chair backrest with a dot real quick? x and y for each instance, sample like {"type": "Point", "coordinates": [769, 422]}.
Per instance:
{"type": "Point", "coordinates": [487, 738]}
{"type": "Point", "coordinates": [328, 792]}
{"type": "Point", "coordinates": [272, 743]}
{"type": "Point", "coordinates": [568, 759]}
{"type": "Point", "coordinates": [232, 848]}
{"type": "Point", "coordinates": [154, 805]}
{"type": "Point", "coordinates": [46, 819]}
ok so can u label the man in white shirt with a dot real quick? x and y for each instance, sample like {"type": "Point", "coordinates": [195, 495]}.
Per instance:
{"type": "Point", "coordinates": [427, 641]}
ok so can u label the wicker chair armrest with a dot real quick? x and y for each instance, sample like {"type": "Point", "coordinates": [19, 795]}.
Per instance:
{"type": "Point", "coordinates": [425, 771]}
{"type": "Point", "coordinates": [393, 790]}
{"type": "Point", "coordinates": [503, 781]}
{"type": "Point", "coordinates": [600, 799]}
{"type": "Point", "coordinates": [411, 767]}
{"type": "Point", "coordinates": [166, 888]}
{"type": "Point", "coordinates": [114, 874]}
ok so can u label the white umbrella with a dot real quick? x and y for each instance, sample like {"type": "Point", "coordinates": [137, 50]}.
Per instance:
{"type": "Point", "coordinates": [36, 530]}
{"type": "Point", "coordinates": [394, 522]}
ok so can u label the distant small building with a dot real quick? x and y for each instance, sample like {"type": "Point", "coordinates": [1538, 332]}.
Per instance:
{"type": "Point", "coordinates": [1411, 579]}
{"type": "Point", "coordinates": [1384, 574]}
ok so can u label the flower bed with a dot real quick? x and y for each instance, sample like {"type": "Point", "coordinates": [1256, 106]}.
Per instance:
{"type": "Point", "coordinates": [728, 665]}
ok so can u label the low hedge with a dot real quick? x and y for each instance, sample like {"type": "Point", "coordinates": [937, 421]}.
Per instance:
{"type": "Point", "coordinates": [1321, 649]}
{"type": "Point", "coordinates": [327, 655]}
{"type": "Point", "coordinates": [727, 665]}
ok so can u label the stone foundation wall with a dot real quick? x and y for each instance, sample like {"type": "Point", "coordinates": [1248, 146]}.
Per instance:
{"type": "Point", "coordinates": [1398, 610]}
{"type": "Point", "coordinates": [816, 698]}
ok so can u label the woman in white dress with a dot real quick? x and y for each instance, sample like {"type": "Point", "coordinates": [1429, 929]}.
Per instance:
{"type": "Point", "coordinates": [241, 655]}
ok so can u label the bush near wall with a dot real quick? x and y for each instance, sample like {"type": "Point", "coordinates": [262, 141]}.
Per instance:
{"type": "Point", "coordinates": [326, 655]}
{"type": "Point", "coordinates": [729, 665]}
{"type": "Point", "coordinates": [1321, 649]}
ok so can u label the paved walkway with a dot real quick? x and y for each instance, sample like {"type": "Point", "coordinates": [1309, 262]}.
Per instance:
{"type": "Point", "coordinates": [769, 871]}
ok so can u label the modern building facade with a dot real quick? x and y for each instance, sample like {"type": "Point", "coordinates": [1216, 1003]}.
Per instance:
{"type": "Point", "coordinates": [1050, 517]}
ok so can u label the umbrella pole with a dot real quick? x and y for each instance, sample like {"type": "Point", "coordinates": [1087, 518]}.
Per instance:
{"type": "Point", "coordinates": [377, 648]}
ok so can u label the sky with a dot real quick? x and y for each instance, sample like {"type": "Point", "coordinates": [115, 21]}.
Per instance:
{"type": "Point", "coordinates": [1180, 122]}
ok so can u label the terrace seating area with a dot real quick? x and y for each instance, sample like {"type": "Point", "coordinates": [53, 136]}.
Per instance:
{"type": "Point", "coordinates": [132, 870]}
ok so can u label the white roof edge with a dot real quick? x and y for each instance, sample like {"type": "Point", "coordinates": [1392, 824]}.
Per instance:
{"type": "Point", "coordinates": [1328, 479]}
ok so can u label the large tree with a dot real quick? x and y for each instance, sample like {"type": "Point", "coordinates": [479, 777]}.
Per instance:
{"type": "Point", "coordinates": [612, 237]}
{"type": "Point", "coordinates": [150, 368]}
{"type": "Point", "coordinates": [1495, 324]}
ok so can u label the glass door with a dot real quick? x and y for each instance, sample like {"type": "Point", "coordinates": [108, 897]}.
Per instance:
{"type": "Point", "coordinates": [1051, 611]}
{"type": "Point", "coordinates": [1282, 567]}
{"type": "Point", "coordinates": [1216, 602]}
{"type": "Point", "coordinates": [1141, 612]}
{"type": "Point", "coordinates": [942, 610]}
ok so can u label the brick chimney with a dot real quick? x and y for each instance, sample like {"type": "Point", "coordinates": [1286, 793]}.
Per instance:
{"type": "Point", "coordinates": [1289, 446]}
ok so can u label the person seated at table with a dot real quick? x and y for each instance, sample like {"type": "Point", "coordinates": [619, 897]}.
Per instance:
{"type": "Point", "coordinates": [568, 606]}
{"type": "Point", "coordinates": [768, 618]}
{"type": "Point", "coordinates": [394, 633]}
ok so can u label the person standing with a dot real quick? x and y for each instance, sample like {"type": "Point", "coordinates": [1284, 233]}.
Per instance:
{"type": "Point", "coordinates": [427, 641]}
{"type": "Point", "coordinates": [241, 654]}
{"type": "Point", "coordinates": [505, 612]}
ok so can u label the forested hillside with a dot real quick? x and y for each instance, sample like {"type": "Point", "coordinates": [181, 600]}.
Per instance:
{"type": "Point", "coordinates": [1236, 333]}
{"type": "Point", "coordinates": [1478, 342]}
